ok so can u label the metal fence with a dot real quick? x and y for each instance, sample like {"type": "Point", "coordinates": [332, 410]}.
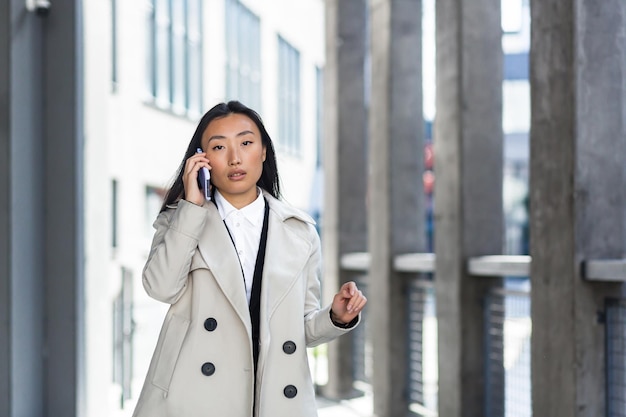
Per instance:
{"type": "Point", "coordinates": [508, 330]}
{"type": "Point", "coordinates": [362, 358]}
{"type": "Point", "coordinates": [423, 372]}
{"type": "Point", "coordinates": [507, 344]}
{"type": "Point", "coordinates": [616, 357]}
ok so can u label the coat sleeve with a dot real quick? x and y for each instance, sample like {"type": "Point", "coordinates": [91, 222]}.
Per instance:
{"type": "Point", "coordinates": [175, 241]}
{"type": "Point", "coordinates": [318, 326]}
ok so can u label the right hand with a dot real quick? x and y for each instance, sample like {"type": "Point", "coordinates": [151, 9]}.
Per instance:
{"type": "Point", "coordinates": [193, 194]}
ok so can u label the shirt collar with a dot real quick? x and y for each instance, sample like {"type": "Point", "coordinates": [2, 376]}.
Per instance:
{"type": "Point", "coordinates": [253, 212]}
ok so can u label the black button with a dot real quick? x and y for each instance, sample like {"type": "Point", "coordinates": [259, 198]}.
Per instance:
{"type": "Point", "coordinates": [289, 347]}
{"type": "Point", "coordinates": [210, 324]}
{"type": "Point", "coordinates": [290, 391]}
{"type": "Point", "coordinates": [208, 369]}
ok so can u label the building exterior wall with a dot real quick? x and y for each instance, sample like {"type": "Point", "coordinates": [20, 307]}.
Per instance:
{"type": "Point", "coordinates": [133, 143]}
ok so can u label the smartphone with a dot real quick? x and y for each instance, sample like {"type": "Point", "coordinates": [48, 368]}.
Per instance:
{"type": "Point", "coordinates": [204, 180]}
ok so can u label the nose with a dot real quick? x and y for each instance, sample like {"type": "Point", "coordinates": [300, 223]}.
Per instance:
{"type": "Point", "coordinates": [234, 158]}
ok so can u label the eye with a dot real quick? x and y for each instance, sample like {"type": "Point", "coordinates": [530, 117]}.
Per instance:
{"type": "Point", "coordinates": [246, 142]}
{"type": "Point", "coordinates": [217, 147]}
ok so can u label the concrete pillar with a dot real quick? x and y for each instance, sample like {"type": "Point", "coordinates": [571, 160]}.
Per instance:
{"type": "Point", "coordinates": [5, 213]}
{"type": "Point", "coordinates": [395, 190]}
{"type": "Point", "coordinates": [62, 163]}
{"type": "Point", "coordinates": [40, 210]}
{"type": "Point", "coordinates": [21, 212]}
{"type": "Point", "coordinates": [577, 198]}
{"type": "Point", "coordinates": [468, 146]}
{"type": "Point", "coordinates": [345, 125]}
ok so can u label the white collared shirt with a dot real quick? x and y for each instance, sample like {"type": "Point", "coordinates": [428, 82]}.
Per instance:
{"type": "Point", "coordinates": [245, 228]}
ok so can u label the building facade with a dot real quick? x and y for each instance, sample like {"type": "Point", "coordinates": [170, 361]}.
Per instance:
{"type": "Point", "coordinates": [152, 68]}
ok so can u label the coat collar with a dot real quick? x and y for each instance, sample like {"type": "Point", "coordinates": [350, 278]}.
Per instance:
{"type": "Point", "coordinates": [285, 211]}
{"type": "Point", "coordinates": [285, 257]}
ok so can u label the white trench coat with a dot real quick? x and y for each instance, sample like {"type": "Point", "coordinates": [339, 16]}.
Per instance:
{"type": "Point", "coordinates": [203, 361]}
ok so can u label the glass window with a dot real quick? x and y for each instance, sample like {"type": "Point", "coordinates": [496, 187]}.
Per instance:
{"type": "Point", "coordinates": [288, 97]}
{"type": "Point", "coordinates": [243, 57]}
{"type": "Point", "coordinates": [114, 68]}
{"type": "Point", "coordinates": [163, 52]}
{"type": "Point", "coordinates": [123, 332]}
{"type": "Point", "coordinates": [194, 58]}
{"type": "Point", "coordinates": [154, 200]}
{"type": "Point", "coordinates": [114, 205]}
{"type": "Point", "coordinates": [179, 34]}
{"type": "Point", "coordinates": [319, 113]}
{"type": "Point", "coordinates": [175, 55]}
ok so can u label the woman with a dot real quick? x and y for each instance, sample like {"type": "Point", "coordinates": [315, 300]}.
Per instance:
{"type": "Point", "coordinates": [241, 273]}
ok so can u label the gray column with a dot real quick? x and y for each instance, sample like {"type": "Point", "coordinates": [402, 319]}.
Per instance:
{"type": "Point", "coordinates": [345, 124]}
{"type": "Point", "coordinates": [22, 210]}
{"type": "Point", "coordinates": [62, 164]}
{"type": "Point", "coordinates": [395, 190]}
{"type": "Point", "coordinates": [468, 146]}
{"type": "Point", "coordinates": [40, 210]}
{"type": "Point", "coordinates": [5, 212]}
{"type": "Point", "coordinates": [577, 198]}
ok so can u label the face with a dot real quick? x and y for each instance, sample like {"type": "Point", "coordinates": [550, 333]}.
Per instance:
{"type": "Point", "coordinates": [236, 153]}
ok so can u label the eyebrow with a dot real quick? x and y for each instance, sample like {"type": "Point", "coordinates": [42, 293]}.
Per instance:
{"type": "Point", "coordinates": [243, 133]}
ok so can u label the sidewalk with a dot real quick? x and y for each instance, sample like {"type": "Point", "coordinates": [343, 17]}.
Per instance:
{"type": "Point", "coordinates": [357, 407]}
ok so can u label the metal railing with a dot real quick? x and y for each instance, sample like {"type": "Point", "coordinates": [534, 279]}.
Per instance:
{"type": "Point", "coordinates": [507, 337]}
{"type": "Point", "coordinates": [612, 270]}
{"type": "Point", "coordinates": [422, 328]}
{"type": "Point", "coordinates": [616, 357]}
{"type": "Point", "coordinates": [362, 355]}
{"type": "Point", "coordinates": [507, 352]}
{"type": "Point", "coordinates": [507, 333]}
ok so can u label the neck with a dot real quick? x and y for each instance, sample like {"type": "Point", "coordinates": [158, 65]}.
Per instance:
{"type": "Point", "coordinates": [239, 201]}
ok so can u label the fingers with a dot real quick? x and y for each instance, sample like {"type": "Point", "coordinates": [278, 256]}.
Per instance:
{"type": "Point", "coordinates": [195, 162]}
{"type": "Point", "coordinates": [349, 289]}
{"type": "Point", "coordinates": [356, 299]}
{"type": "Point", "coordinates": [348, 302]}
{"type": "Point", "coordinates": [356, 303]}
{"type": "Point", "coordinates": [190, 177]}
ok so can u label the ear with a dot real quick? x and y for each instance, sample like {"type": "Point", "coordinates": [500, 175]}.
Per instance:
{"type": "Point", "coordinates": [264, 153]}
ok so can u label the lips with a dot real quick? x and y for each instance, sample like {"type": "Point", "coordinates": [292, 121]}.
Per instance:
{"type": "Point", "coordinates": [236, 175]}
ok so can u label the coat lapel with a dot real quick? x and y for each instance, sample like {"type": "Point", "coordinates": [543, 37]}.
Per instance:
{"type": "Point", "coordinates": [285, 256]}
{"type": "Point", "coordinates": [223, 262]}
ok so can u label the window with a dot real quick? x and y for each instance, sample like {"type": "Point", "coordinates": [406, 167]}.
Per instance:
{"type": "Point", "coordinates": [114, 196]}
{"type": "Point", "coordinates": [319, 113]}
{"type": "Point", "coordinates": [243, 55]}
{"type": "Point", "coordinates": [154, 200]}
{"type": "Point", "coordinates": [114, 74]}
{"type": "Point", "coordinates": [123, 332]}
{"type": "Point", "coordinates": [288, 97]}
{"type": "Point", "coordinates": [175, 55]}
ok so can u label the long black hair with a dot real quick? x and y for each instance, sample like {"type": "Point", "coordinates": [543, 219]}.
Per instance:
{"type": "Point", "coordinates": [269, 177]}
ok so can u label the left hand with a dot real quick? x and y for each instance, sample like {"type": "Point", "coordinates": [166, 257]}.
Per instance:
{"type": "Point", "coordinates": [347, 303]}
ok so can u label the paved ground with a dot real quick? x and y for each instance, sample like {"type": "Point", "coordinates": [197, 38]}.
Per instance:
{"type": "Point", "coordinates": [358, 407]}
